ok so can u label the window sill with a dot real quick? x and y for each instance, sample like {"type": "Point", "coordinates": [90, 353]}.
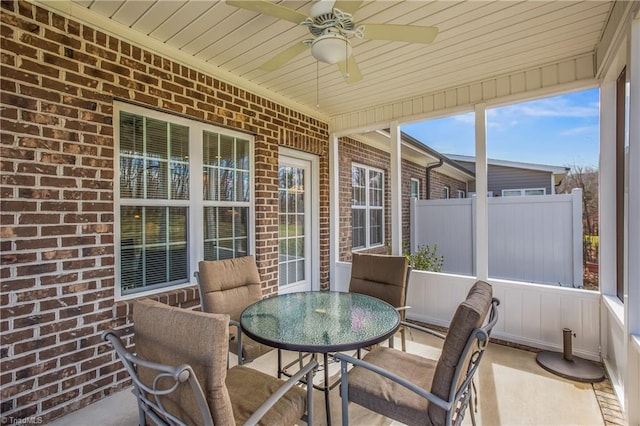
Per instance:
{"type": "Point", "coordinates": [153, 293]}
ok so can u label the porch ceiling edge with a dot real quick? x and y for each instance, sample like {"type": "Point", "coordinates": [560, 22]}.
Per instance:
{"type": "Point", "coordinates": [570, 74]}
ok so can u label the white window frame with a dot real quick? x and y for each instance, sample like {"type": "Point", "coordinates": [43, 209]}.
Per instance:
{"type": "Point", "coordinates": [196, 203]}
{"type": "Point", "coordinates": [446, 192]}
{"type": "Point", "coordinates": [417, 184]}
{"type": "Point", "coordinates": [461, 194]}
{"type": "Point", "coordinates": [368, 208]}
{"type": "Point", "coordinates": [523, 192]}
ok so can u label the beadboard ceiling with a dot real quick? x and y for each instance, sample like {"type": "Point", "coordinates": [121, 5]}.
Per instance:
{"type": "Point", "coordinates": [476, 40]}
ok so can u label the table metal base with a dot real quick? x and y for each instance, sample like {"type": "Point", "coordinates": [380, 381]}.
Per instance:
{"type": "Point", "coordinates": [326, 387]}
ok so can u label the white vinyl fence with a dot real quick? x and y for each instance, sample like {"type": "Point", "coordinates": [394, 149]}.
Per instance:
{"type": "Point", "coordinates": [536, 239]}
{"type": "Point", "coordinates": [529, 314]}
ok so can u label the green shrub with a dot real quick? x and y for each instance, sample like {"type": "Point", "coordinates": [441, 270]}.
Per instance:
{"type": "Point", "coordinates": [425, 259]}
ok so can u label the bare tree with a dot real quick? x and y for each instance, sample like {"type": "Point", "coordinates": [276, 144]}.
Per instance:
{"type": "Point", "coordinates": [585, 178]}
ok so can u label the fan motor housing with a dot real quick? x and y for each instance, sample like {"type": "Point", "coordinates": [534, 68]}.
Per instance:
{"type": "Point", "coordinates": [343, 22]}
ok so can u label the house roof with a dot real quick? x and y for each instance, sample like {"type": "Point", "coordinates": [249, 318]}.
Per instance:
{"type": "Point", "coordinates": [484, 51]}
{"type": "Point", "coordinates": [514, 164]}
{"type": "Point", "coordinates": [418, 153]}
{"type": "Point", "coordinates": [558, 172]}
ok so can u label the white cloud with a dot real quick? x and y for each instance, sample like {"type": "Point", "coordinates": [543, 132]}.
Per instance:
{"type": "Point", "coordinates": [580, 131]}
{"type": "Point", "coordinates": [558, 107]}
{"type": "Point", "coordinates": [467, 118]}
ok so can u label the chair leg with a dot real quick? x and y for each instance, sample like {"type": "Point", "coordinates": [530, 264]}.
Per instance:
{"type": "Point", "coordinates": [403, 339]}
{"type": "Point", "coordinates": [344, 392]}
{"type": "Point", "coordinates": [473, 414]}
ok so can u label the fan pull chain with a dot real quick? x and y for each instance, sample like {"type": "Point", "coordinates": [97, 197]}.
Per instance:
{"type": "Point", "coordinates": [317, 84]}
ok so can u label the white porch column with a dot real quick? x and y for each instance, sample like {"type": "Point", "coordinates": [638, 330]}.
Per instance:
{"type": "Point", "coordinates": [396, 188]}
{"type": "Point", "coordinates": [607, 193]}
{"type": "Point", "coordinates": [482, 187]}
{"type": "Point", "coordinates": [334, 209]}
{"type": "Point", "coordinates": [632, 293]}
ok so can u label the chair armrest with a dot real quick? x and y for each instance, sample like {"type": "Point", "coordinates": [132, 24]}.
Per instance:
{"type": "Point", "coordinates": [307, 370]}
{"type": "Point", "coordinates": [344, 359]}
{"type": "Point", "coordinates": [423, 329]}
{"type": "Point", "coordinates": [403, 308]}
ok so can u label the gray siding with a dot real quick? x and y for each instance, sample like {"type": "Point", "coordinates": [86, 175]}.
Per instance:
{"type": "Point", "coordinates": [501, 177]}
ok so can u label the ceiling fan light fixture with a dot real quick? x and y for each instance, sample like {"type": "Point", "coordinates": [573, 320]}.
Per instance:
{"type": "Point", "coordinates": [331, 48]}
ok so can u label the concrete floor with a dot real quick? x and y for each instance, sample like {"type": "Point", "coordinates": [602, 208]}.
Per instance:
{"type": "Point", "coordinates": [512, 388]}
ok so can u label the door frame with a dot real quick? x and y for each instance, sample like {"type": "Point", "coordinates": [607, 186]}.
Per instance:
{"type": "Point", "coordinates": [314, 192]}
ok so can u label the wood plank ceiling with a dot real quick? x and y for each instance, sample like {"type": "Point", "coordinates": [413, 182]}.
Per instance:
{"type": "Point", "coordinates": [476, 40]}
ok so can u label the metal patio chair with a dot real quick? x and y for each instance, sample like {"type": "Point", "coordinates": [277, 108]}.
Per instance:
{"type": "Point", "coordinates": [416, 390]}
{"type": "Point", "coordinates": [180, 374]}
{"type": "Point", "coordinates": [384, 277]}
{"type": "Point", "coordinates": [227, 287]}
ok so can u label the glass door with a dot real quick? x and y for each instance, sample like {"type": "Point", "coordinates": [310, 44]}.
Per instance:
{"type": "Point", "coordinates": [294, 227]}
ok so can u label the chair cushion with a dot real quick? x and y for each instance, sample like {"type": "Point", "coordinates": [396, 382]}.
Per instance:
{"type": "Point", "coordinates": [251, 348]}
{"type": "Point", "coordinates": [381, 276]}
{"type": "Point", "coordinates": [249, 388]}
{"type": "Point", "coordinates": [469, 315]}
{"type": "Point", "coordinates": [160, 336]}
{"type": "Point", "coordinates": [230, 285]}
{"type": "Point", "coordinates": [379, 394]}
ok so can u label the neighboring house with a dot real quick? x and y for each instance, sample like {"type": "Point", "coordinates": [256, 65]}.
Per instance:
{"type": "Point", "coordinates": [365, 187]}
{"type": "Point", "coordinates": [511, 178]}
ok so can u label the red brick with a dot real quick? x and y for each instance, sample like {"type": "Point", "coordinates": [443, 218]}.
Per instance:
{"type": "Point", "coordinates": [30, 295]}
{"type": "Point", "coordinates": [17, 284]}
{"type": "Point", "coordinates": [17, 336]}
{"type": "Point", "coordinates": [57, 376]}
{"type": "Point", "coordinates": [58, 326]}
{"type": "Point", "coordinates": [58, 279]}
{"type": "Point", "coordinates": [13, 363]}
{"type": "Point", "coordinates": [57, 351]}
{"type": "Point", "coordinates": [34, 344]}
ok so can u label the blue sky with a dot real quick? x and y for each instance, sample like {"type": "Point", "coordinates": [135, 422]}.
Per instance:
{"type": "Point", "coordinates": [560, 131]}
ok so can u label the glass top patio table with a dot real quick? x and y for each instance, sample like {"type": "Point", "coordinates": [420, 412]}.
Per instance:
{"type": "Point", "coordinates": [320, 321]}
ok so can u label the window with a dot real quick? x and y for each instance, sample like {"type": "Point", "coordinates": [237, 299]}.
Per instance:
{"type": "Point", "coordinates": [523, 192]}
{"type": "Point", "coordinates": [367, 217]}
{"type": "Point", "coordinates": [446, 192]}
{"type": "Point", "coordinates": [461, 194]}
{"type": "Point", "coordinates": [184, 195]}
{"type": "Point", "coordinates": [415, 188]}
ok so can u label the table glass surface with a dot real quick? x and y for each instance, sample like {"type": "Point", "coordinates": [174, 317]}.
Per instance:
{"type": "Point", "coordinates": [320, 321]}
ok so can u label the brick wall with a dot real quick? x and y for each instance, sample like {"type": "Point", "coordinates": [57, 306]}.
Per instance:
{"type": "Point", "coordinates": [410, 171]}
{"type": "Point", "coordinates": [59, 80]}
{"type": "Point", "coordinates": [351, 151]}
{"type": "Point", "coordinates": [439, 181]}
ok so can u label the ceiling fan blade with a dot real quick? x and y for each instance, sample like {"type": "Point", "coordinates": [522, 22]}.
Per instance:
{"type": "Point", "coordinates": [393, 32]}
{"type": "Point", "coordinates": [283, 57]}
{"type": "Point", "coordinates": [350, 68]}
{"type": "Point", "coordinates": [349, 6]}
{"type": "Point", "coordinates": [271, 9]}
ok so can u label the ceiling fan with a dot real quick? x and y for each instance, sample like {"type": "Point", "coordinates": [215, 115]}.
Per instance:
{"type": "Point", "coordinates": [331, 24]}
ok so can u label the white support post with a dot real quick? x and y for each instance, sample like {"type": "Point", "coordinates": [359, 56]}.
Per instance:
{"type": "Point", "coordinates": [396, 189]}
{"type": "Point", "coordinates": [413, 224]}
{"type": "Point", "coordinates": [334, 209]}
{"type": "Point", "coordinates": [632, 293]}
{"type": "Point", "coordinates": [576, 201]}
{"type": "Point", "coordinates": [482, 187]}
{"type": "Point", "coordinates": [607, 184]}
